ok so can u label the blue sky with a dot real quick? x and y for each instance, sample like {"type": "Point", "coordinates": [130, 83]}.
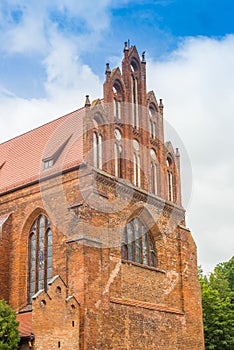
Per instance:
{"type": "Point", "coordinates": [157, 26]}
{"type": "Point", "coordinates": [53, 53]}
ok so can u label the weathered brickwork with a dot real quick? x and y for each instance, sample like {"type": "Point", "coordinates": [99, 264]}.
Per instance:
{"type": "Point", "coordinates": [98, 298]}
{"type": "Point", "coordinates": [55, 318]}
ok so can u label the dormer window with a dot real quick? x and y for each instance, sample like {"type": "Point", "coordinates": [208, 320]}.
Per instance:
{"type": "Point", "coordinates": [48, 163]}
{"type": "Point", "coordinates": [51, 159]}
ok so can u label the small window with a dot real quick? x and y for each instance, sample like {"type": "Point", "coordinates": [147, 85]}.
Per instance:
{"type": "Point", "coordinates": [58, 290]}
{"type": "Point", "coordinates": [48, 163]}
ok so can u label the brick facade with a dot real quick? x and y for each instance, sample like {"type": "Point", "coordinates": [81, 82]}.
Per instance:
{"type": "Point", "coordinates": [87, 193]}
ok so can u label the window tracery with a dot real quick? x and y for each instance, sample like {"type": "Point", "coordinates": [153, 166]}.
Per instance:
{"type": "Point", "coordinates": [138, 244]}
{"type": "Point", "coordinates": [40, 255]}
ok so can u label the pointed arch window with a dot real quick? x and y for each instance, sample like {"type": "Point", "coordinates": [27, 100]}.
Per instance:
{"type": "Point", "coordinates": [97, 143]}
{"type": "Point", "coordinates": [152, 121]}
{"type": "Point", "coordinates": [134, 92]}
{"type": "Point", "coordinates": [118, 154]}
{"type": "Point", "coordinates": [153, 172]}
{"type": "Point", "coordinates": [135, 111]}
{"type": "Point", "coordinates": [136, 164]}
{"type": "Point", "coordinates": [138, 244]}
{"type": "Point", "coordinates": [40, 255]}
{"type": "Point", "coordinates": [118, 99]}
{"type": "Point", "coordinates": [170, 179]}
{"type": "Point", "coordinates": [117, 109]}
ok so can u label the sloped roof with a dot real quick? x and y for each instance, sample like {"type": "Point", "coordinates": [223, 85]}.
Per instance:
{"type": "Point", "coordinates": [22, 159]}
{"type": "Point", "coordinates": [25, 324]}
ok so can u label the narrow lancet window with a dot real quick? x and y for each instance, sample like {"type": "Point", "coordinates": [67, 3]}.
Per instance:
{"type": "Point", "coordinates": [40, 255]}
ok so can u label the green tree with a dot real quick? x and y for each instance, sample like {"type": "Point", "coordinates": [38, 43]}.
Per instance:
{"type": "Point", "coordinates": [218, 307]}
{"type": "Point", "coordinates": [9, 335]}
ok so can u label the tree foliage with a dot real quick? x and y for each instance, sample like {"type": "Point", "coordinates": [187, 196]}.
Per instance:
{"type": "Point", "coordinates": [9, 335]}
{"type": "Point", "coordinates": [218, 306]}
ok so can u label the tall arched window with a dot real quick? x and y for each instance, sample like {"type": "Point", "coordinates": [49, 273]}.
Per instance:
{"type": "Point", "coordinates": [95, 150]}
{"type": "Point", "coordinates": [153, 172]}
{"type": "Point", "coordinates": [136, 164]}
{"type": "Point", "coordinates": [138, 244]}
{"type": "Point", "coordinates": [117, 109]}
{"type": "Point", "coordinates": [40, 255]}
{"type": "Point", "coordinates": [118, 99]}
{"type": "Point", "coordinates": [118, 154]}
{"type": "Point", "coordinates": [170, 179]}
{"type": "Point", "coordinates": [152, 121]}
{"type": "Point", "coordinates": [134, 91]}
{"type": "Point", "coordinates": [97, 141]}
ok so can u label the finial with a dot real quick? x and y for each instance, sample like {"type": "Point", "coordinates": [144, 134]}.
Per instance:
{"type": "Point", "coordinates": [108, 71]}
{"type": "Point", "coordinates": [161, 106]}
{"type": "Point", "coordinates": [87, 101]}
{"type": "Point", "coordinates": [143, 57]}
{"type": "Point", "coordinates": [126, 45]}
{"type": "Point", "coordinates": [177, 152]}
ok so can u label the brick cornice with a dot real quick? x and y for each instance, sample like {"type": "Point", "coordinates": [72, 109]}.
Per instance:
{"type": "Point", "coordinates": [145, 305]}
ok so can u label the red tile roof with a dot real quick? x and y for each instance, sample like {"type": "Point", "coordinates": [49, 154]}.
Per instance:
{"type": "Point", "coordinates": [21, 159]}
{"type": "Point", "coordinates": [25, 324]}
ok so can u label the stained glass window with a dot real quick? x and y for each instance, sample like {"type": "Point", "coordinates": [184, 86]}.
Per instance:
{"type": "Point", "coordinates": [138, 244]}
{"type": "Point", "coordinates": [40, 255]}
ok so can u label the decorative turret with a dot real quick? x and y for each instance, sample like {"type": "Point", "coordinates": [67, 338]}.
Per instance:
{"type": "Point", "coordinates": [87, 101]}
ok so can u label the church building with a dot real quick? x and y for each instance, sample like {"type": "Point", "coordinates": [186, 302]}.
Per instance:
{"type": "Point", "coordinates": [94, 248]}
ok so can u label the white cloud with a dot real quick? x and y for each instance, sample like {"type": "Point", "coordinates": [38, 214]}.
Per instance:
{"type": "Point", "coordinates": [67, 79]}
{"type": "Point", "coordinates": [196, 83]}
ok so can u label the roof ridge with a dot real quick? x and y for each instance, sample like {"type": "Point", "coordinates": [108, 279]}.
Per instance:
{"type": "Point", "coordinates": [41, 126]}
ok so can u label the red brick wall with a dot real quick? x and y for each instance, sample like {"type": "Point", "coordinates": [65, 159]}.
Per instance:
{"type": "Point", "coordinates": [55, 318]}
{"type": "Point", "coordinates": [123, 305]}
